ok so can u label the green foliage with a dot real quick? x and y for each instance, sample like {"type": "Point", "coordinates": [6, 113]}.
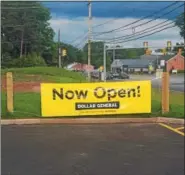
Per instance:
{"type": "Point", "coordinates": [29, 25]}
{"type": "Point", "coordinates": [180, 46]}
{"type": "Point", "coordinates": [180, 23]}
{"type": "Point", "coordinates": [31, 60]}
{"type": "Point", "coordinates": [97, 54]}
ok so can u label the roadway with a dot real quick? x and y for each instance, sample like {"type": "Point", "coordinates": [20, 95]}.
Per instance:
{"type": "Point", "coordinates": [176, 81]}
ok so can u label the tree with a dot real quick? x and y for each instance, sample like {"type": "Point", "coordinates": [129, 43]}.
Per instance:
{"type": "Point", "coordinates": [96, 53]}
{"type": "Point", "coordinates": [25, 29]}
{"type": "Point", "coordinates": [180, 23]}
{"type": "Point", "coordinates": [179, 46]}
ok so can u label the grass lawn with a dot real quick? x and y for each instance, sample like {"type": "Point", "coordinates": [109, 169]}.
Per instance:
{"type": "Point", "coordinates": [41, 74]}
{"type": "Point", "coordinates": [28, 105]}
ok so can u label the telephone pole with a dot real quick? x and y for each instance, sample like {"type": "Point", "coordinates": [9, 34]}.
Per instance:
{"type": "Point", "coordinates": [59, 50]}
{"type": "Point", "coordinates": [114, 50]}
{"type": "Point", "coordinates": [89, 40]}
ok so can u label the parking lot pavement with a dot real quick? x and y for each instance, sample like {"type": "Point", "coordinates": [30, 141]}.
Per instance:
{"type": "Point", "coordinates": [119, 149]}
{"type": "Point", "coordinates": [175, 128]}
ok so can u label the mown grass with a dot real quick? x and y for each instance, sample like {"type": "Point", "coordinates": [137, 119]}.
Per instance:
{"type": "Point", "coordinates": [27, 105]}
{"type": "Point", "coordinates": [49, 74]}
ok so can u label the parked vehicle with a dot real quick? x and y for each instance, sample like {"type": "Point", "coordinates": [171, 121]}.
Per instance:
{"type": "Point", "coordinates": [114, 76]}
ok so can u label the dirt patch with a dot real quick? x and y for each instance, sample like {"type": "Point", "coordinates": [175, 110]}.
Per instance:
{"type": "Point", "coordinates": [22, 86]}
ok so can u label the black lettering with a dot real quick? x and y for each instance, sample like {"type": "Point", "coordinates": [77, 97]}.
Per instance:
{"type": "Point", "coordinates": [56, 93]}
{"type": "Point", "coordinates": [133, 92]}
{"type": "Point", "coordinates": [69, 95]}
{"type": "Point", "coordinates": [111, 95]}
{"type": "Point", "coordinates": [138, 91]}
{"type": "Point", "coordinates": [96, 92]}
{"type": "Point", "coordinates": [122, 93]}
{"type": "Point", "coordinates": [82, 94]}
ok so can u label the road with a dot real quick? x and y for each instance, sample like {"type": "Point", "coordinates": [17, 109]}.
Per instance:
{"type": "Point", "coordinates": [130, 149]}
{"type": "Point", "coordinates": [176, 81]}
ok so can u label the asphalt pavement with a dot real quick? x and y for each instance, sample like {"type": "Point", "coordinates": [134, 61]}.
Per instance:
{"type": "Point", "coordinates": [176, 81]}
{"type": "Point", "coordinates": [120, 149]}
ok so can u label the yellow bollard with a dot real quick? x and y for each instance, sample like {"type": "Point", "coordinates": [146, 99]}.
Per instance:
{"type": "Point", "coordinates": [9, 90]}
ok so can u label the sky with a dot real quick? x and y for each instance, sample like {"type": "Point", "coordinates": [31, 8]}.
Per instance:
{"type": "Point", "coordinates": [72, 20]}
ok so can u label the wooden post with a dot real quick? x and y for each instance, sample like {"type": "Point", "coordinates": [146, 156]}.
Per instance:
{"type": "Point", "coordinates": [165, 92]}
{"type": "Point", "coordinates": [9, 90]}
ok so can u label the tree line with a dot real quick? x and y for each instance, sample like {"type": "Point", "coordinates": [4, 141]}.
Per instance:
{"type": "Point", "coordinates": [27, 39]}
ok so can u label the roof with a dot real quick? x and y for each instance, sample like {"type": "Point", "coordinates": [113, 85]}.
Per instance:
{"type": "Point", "coordinates": [141, 62]}
{"type": "Point", "coordinates": [131, 63]}
{"type": "Point", "coordinates": [155, 57]}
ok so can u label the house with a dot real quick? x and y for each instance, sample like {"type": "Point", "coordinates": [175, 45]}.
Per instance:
{"type": "Point", "coordinates": [175, 63]}
{"type": "Point", "coordinates": [79, 67]}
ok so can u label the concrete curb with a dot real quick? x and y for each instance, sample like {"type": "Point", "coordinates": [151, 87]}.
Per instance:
{"type": "Point", "coordinates": [170, 120]}
{"type": "Point", "coordinates": [90, 121]}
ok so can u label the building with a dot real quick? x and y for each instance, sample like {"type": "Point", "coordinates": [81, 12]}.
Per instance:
{"type": "Point", "coordinates": [175, 63]}
{"type": "Point", "coordinates": [143, 64]}
{"type": "Point", "coordinates": [132, 65]}
{"type": "Point", "coordinates": [79, 67]}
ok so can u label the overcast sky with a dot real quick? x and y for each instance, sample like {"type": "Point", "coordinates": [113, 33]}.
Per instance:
{"type": "Point", "coordinates": [72, 19]}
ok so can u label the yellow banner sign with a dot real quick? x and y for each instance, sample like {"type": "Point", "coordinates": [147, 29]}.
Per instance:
{"type": "Point", "coordinates": [79, 99]}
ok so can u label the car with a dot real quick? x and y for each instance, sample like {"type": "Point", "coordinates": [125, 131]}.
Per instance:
{"type": "Point", "coordinates": [117, 76]}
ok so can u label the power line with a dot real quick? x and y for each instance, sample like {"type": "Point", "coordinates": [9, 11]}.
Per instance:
{"type": "Point", "coordinates": [101, 33]}
{"type": "Point", "coordinates": [145, 35]}
{"type": "Point", "coordinates": [98, 25]}
{"type": "Point", "coordinates": [152, 27]}
{"type": "Point", "coordinates": [79, 37]}
{"type": "Point", "coordinates": [145, 23]}
{"type": "Point", "coordinates": [82, 42]}
{"type": "Point", "coordinates": [137, 20]}
{"type": "Point", "coordinates": [141, 33]}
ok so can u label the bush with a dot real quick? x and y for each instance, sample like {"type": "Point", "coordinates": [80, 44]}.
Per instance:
{"type": "Point", "coordinates": [31, 60]}
{"type": "Point", "coordinates": [7, 61]}
{"type": "Point", "coordinates": [180, 71]}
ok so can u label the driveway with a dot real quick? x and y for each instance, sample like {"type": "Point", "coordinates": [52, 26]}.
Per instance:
{"type": "Point", "coordinates": [120, 149]}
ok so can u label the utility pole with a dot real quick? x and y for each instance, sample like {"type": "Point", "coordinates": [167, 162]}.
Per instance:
{"type": "Point", "coordinates": [89, 40]}
{"type": "Point", "coordinates": [59, 50]}
{"type": "Point", "coordinates": [114, 50]}
{"type": "Point", "coordinates": [104, 61]}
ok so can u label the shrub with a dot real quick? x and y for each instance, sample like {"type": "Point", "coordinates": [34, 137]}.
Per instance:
{"type": "Point", "coordinates": [31, 60]}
